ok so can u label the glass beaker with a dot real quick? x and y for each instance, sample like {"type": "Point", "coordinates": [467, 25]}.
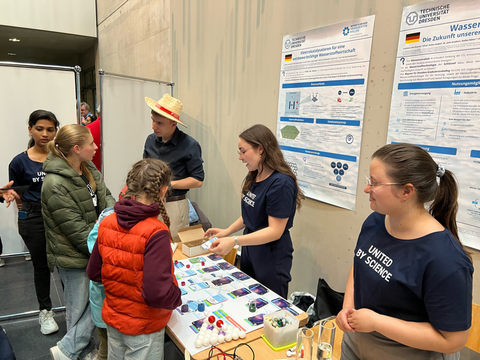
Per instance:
{"type": "Point", "coordinates": [326, 339]}
{"type": "Point", "coordinates": [304, 346]}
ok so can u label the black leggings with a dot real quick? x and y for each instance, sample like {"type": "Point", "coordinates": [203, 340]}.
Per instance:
{"type": "Point", "coordinates": [33, 233]}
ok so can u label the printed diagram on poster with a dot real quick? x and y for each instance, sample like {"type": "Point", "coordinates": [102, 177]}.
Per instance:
{"type": "Point", "coordinates": [436, 96]}
{"type": "Point", "coordinates": [212, 287]}
{"type": "Point", "coordinates": [321, 104]}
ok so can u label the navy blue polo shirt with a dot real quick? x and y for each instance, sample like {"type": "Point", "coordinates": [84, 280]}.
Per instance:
{"type": "Point", "coordinates": [24, 171]}
{"type": "Point", "coordinates": [428, 279]}
{"type": "Point", "coordinates": [275, 196]}
{"type": "Point", "coordinates": [182, 153]}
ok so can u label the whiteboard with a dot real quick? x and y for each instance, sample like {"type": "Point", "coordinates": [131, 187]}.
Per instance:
{"type": "Point", "coordinates": [126, 124]}
{"type": "Point", "coordinates": [23, 90]}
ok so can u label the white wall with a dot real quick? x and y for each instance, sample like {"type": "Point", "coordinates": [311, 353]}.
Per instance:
{"type": "Point", "coordinates": [71, 17]}
{"type": "Point", "coordinates": [134, 38]}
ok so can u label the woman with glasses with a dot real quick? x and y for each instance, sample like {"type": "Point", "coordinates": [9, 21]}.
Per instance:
{"type": "Point", "coordinates": [270, 196]}
{"type": "Point", "coordinates": [409, 292]}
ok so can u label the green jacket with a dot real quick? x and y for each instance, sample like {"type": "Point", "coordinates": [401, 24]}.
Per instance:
{"type": "Point", "coordinates": [68, 212]}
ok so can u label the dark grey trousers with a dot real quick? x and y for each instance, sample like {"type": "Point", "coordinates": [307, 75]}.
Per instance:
{"type": "Point", "coordinates": [375, 346]}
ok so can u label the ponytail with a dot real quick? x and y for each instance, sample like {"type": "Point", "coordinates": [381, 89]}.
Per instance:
{"type": "Point", "coordinates": [445, 206]}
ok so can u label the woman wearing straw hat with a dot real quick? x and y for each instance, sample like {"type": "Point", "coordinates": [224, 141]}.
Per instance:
{"type": "Point", "coordinates": [180, 151]}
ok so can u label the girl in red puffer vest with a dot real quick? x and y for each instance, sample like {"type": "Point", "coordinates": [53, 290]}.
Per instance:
{"type": "Point", "coordinates": [133, 260]}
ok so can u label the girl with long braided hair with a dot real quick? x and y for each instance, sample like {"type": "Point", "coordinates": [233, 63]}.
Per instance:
{"type": "Point", "coordinates": [133, 259]}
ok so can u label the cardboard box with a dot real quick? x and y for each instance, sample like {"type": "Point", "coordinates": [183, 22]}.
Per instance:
{"type": "Point", "coordinates": [191, 238]}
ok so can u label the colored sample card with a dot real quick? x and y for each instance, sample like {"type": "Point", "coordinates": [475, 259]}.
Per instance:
{"type": "Point", "coordinates": [215, 257]}
{"type": "Point", "coordinates": [225, 266]}
{"type": "Point", "coordinates": [258, 289]}
{"type": "Point", "coordinates": [284, 305]}
{"type": "Point", "coordinates": [193, 305]}
{"type": "Point", "coordinates": [184, 273]}
{"type": "Point", "coordinates": [239, 292]}
{"type": "Point", "coordinates": [196, 260]}
{"type": "Point", "coordinates": [210, 269]}
{"type": "Point", "coordinates": [293, 312]}
{"type": "Point", "coordinates": [179, 265]}
{"type": "Point", "coordinates": [216, 299]}
{"type": "Point", "coordinates": [240, 275]}
{"type": "Point", "coordinates": [199, 286]}
{"type": "Point", "coordinates": [207, 245]}
{"type": "Point", "coordinates": [281, 303]}
{"type": "Point", "coordinates": [255, 320]}
{"type": "Point", "coordinates": [197, 324]}
{"type": "Point", "coordinates": [222, 281]}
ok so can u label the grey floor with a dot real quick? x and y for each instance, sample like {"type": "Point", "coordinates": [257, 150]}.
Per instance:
{"type": "Point", "coordinates": [17, 295]}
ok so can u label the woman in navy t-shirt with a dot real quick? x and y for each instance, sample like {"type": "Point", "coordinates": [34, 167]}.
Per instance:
{"type": "Point", "coordinates": [409, 292]}
{"type": "Point", "coordinates": [270, 196]}
{"type": "Point", "coordinates": [26, 170]}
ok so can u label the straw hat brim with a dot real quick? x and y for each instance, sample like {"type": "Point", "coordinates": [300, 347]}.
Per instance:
{"type": "Point", "coordinates": [151, 104]}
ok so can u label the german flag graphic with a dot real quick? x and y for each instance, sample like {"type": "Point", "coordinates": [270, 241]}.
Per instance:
{"type": "Point", "coordinates": [288, 57]}
{"type": "Point", "coordinates": [412, 38]}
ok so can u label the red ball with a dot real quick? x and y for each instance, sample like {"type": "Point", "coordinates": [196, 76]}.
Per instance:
{"type": "Point", "coordinates": [203, 263]}
{"type": "Point", "coordinates": [219, 323]}
{"type": "Point", "coordinates": [188, 266]}
{"type": "Point", "coordinates": [183, 283]}
{"type": "Point", "coordinates": [211, 319]}
{"type": "Point", "coordinates": [176, 262]}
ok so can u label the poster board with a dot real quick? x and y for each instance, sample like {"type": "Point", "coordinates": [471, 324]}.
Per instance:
{"type": "Point", "coordinates": [323, 85]}
{"type": "Point", "coordinates": [126, 124]}
{"type": "Point", "coordinates": [436, 96]}
{"type": "Point", "coordinates": [22, 91]}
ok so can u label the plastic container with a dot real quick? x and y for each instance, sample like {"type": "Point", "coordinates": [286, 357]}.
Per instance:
{"type": "Point", "coordinates": [279, 337]}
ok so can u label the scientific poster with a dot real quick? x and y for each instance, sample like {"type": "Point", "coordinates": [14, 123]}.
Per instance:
{"type": "Point", "coordinates": [436, 96]}
{"type": "Point", "coordinates": [323, 83]}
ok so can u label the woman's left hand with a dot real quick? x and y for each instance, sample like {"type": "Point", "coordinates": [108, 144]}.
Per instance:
{"type": "Point", "coordinates": [9, 195]}
{"type": "Point", "coordinates": [222, 246]}
{"type": "Point", "coordinates": [363, 320]}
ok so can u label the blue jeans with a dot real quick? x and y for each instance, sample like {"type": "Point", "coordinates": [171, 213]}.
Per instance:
{"type": "Point", "coordinates": [128, 347]}
{"type": "Point", "coordinates": [78, 341]}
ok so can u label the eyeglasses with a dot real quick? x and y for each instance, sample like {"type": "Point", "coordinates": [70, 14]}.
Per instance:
{"type": "Point", "coordinates": [369, 182]}
{"type": "Point", "coordinates": [242, 152]}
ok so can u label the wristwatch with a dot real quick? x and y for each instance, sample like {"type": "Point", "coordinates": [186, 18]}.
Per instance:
{"type": "Point", "coordinates": [236, 241]}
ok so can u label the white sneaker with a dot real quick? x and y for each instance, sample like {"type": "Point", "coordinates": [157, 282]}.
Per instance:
{"type": "Point", "coordinates": [47, 324]}
{"type": "Point", "coordinates": [2, 262]}
{"type": "Point", "coordinates": [93, 355]}
{"type": "Point", "coordinates": [28, 257]}
{"type": "Point", "coordinates": [56, 354]}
